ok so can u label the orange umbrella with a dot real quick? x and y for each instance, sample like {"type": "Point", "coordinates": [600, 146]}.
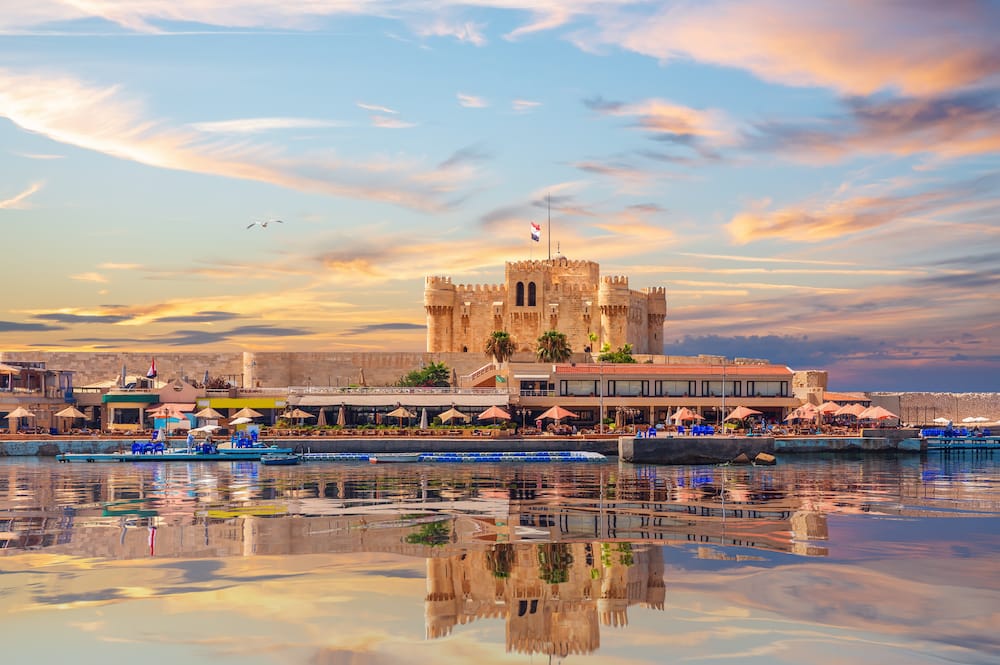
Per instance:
{"type": "Point", "coordinates": [557, 413]}
{"type": "Point", "coordinates": [494, 413]}
{"type": "Point", "coordinates": [741, 412]}
{"type": "Point", "coordinates": [685, 414]}
{"type": "Point", "coordinates": [877, 413]}
{"type": "Point", "coordinates": [849, 410]}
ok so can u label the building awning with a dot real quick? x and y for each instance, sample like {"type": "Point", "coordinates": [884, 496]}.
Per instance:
{"type": "Point", "coordinates": [532, 377]}
{"type": "Point", "coordinates": [241, 402]}
{"type": "Point", "coordinates": [406, 399]}
{"type": "Point", "coordinates": [120, 398]}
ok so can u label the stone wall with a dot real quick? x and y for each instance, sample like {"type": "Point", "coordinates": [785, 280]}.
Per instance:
{"type": "Point", "coordinates": [923, 408]}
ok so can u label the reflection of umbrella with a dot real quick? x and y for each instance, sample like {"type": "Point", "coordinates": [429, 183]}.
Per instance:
{"type": "Point", "coordinates": [452, 414]}
{"type": "Point", "coordinates": [495, 413]}
{"type": "Point", "coordinates": [321, 421]}
{"type": "Point", "coordinates": [247, 412]}
{"type": "Point", "coordinates": [741, 412]}
{"type": "Point", "coordinates": [9, 369]}
{"type": "Point", "coordinates": [240, 421]}
{"type": "Point", "coordinates": [423, 418]}
{"type": "Point", "coordinates": [557, 413]}
{"type": "Point", "coordinates": [208, 412]}
{"type": "Point", "coordinates": [361, 377]}
{"type": "Point", "coordinates": [685, 414]}
{"type": "Point", "coordinates": [341, 416]}
{"type": "Point", "coordinates": [20, 412]}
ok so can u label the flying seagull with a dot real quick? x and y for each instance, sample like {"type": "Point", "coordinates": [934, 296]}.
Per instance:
{"type": "Point", "coordinates": [264, 223]}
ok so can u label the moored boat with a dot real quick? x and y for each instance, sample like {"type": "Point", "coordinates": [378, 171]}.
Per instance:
{"type": "Point", "coordinates": [280, 459]}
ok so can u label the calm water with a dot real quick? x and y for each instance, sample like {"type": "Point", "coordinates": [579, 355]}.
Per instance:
{"type": "Point", "coordinates": [815, 560]}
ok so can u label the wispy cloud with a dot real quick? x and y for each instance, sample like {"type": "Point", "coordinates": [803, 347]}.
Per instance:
{"type": "Point", "coordinates": [471, 101]}
{"type": "Point", "coordinates": [18, 200]}
{"type": "Point", "coordinates": [120, 266]}
{"type": "Point", "coordinates": [90, 277]}
{"type": "Point", "coordinates": [258, 125]}
{"type": "Point", "coordinates": [524, 105]}
{"type": "Point", "coordinates": [101, 119]}
{"type": "Point", "coordinates": [377, 108]}
{"type": "Point", "coordinates": [385, 122]}
{"type": "Point", "coordinates": [39, 155]}
{"type": "Point", "coordinates": [852, 46]}
{"type": "Point", "coordinates": [467, 31]}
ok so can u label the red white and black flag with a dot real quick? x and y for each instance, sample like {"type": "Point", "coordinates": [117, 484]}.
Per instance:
{"type": "Point", "coordinates": [536, 232]}
{"type": "Point", "coordinates": [151, 374]}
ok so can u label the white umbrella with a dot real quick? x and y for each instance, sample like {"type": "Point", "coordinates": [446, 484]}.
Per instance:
{"type": "Point", "coordinates": [423, 418]}
{"type": "Point", "coordinates": [239, 421]}
{"type": "Point", "coordinates": [942, 420]}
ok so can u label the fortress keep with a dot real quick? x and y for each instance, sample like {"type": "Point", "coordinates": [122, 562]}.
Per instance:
{"type": "Point", "coordinates": [549, 294]}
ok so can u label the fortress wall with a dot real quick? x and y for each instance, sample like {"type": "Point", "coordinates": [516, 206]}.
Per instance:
{"type": "Point", "coordinates": [272, 369]}
{"type": "Point", "coordinates": [921, 408]}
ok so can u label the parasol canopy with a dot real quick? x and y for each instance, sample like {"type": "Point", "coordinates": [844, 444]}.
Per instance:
{"type": "Point", "coordinates": [208, 412]}
{"type": "Point", "coordinates": [741, 412]}
{"type": "Point", "coordinates": [494, 413]}
{"type": "Point", "coordinates": [70, 412]}
{"type": "Point", "coordinates": [239, 421]}
{"type": "Point", "coordinates": [877, 413]}
{"type": "Point", "coordinates": [827, 408]}
{"type": "Point", "coordinates": [685, 414]}
{"type": "Point", "coordinates": [453, 414]}
{"type": "Point", "coordinates": [247, 412]}
{"type": "Point", "coordinates": [849, 410]}
{"type": "Point", "coordinates": [557, 413]}
{"type": "Point", "coordinates": [297, 414]}
{"type": "Point", "coordinates": [20, 412]}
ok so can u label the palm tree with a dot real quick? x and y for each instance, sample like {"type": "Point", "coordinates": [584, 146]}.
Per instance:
{"type": "Point", "coordinates": [500, 346]}
{"type": "Point", "coordinates": [553, 347]}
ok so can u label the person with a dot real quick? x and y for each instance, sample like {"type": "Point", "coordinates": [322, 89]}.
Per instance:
{"type": "Point", "coordinates": [190, 440]}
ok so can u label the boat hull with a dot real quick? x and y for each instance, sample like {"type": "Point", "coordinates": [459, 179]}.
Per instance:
{"type": "Point", "coordinates": [230, 455]}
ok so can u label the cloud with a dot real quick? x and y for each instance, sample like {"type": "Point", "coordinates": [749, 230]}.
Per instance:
{"type": "Point", "coordinates": [469, 154]}
{"type": "Point", "coordinates": [524, 105]}
{"type": "Point", "coordinates": [471, 101]}
{"type": "Point", "coordinates": [90, 277]}
{"type": "Point", "coordinates": [70, 317]}
{"type": "Point", "coordinates": [841, 215]}
{"type": "Point", "coordinates": [38, 155]}
{"type": "Point", "coordinates": [947, 126]}
{"type": "Point", "coordinates": [376, 108]}
{"type": "Point", "coordinates": [101, 119]}
{"type": "Point", "coordinates": [257, 125]}
{"type": "Point", "coordinates": [851, 46]}
{"type": "Point", "coordinates": [385, 122]}
{"type": "Point", "coordinates": [467, 32]}
{"type": "Point", "coordinates": [18, 326]}
{"type": "Point", "coordinates": [200, 317]}
{"type": "Point", "coordinates": [384, 327]}
{"type": "Point", "coordinates": [120, 266]}
{"type": "Point", "coordinates": [17, 201]}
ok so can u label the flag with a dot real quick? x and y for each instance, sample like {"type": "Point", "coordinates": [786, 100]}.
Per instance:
{"type": "Point", "coordinates": [151, 374]}
{"type": "Point", "coordinates": [536, 232]}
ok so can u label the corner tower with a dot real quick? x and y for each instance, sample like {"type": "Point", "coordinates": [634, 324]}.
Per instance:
{"type": "Point", "coordinates": [439, 303]}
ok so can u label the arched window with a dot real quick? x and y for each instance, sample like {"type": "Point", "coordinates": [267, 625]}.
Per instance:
{"type": "Point", "coordinates": [520, 295]}
{"type": "Point", "coordinates": [531, 294]}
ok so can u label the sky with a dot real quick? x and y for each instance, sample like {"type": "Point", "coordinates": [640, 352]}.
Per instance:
{"type": "Point", "coordinates": [814, 183]}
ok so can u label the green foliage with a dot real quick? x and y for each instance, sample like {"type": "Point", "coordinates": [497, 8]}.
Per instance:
{"type": "Point", "coordinates": [553, 347]}
{"type": "Point", "coordinates": [622, 355]}
{"type": "Point", "coordinates": [432, 375]}
{"type": "Point", "coordinates": [500, 346]}
{"type": "Point", "coordinates": [433, 534]}
{"type": "Point", "coordinates": [554, 561]}
{"type": "Point", "coordinates": [500, 559]}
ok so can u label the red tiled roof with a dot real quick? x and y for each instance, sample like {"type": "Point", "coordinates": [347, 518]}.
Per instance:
{"type": "Point", "coordinates": [674, 370]}
{"type": "Point", "coordinates": [844, 397]}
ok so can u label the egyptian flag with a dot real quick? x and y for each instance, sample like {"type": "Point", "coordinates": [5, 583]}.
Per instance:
{"type": "Point", "coordinates": [151, 374]}
{"type": "Point", "coordinates": [536, 232]}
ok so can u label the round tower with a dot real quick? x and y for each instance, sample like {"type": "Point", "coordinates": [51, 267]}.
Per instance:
{"type": "Point", "coordinates": [439, 302]}
{"type": "Point", "coordinates": [613, 299]}
{"type": "Point", "coordinates": [656, 306]}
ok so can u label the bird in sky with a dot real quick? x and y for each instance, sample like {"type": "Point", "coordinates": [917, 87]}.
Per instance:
{"type": "Point", "coordinates": [264, 224]}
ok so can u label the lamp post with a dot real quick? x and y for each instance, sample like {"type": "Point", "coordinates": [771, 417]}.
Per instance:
{"type": "Point", "coordinates": [523, 412]}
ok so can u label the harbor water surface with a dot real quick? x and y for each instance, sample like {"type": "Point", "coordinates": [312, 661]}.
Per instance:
{"type": "Point", "coordinates": [819, 559]}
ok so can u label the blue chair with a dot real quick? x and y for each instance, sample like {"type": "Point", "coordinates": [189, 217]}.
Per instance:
{"type": "Point", "coordinates": [147, 448]}
{"type": "Point", "coordinates": [680, 429]}
{"type": "Point", "coordinates": [136, 448]}
{"type": "Point", "coordinates": [159, 448]}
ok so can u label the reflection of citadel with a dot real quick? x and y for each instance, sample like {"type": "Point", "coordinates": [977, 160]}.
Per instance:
{"type": "Point", "coordinates": [554, 596]}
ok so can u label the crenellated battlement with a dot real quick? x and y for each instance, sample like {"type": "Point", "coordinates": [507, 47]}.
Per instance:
{"type": "Point", "coordinates": [488, 289]}
{"type": "Point", "coordinates": [437, 280]}
{"type": "Point", "coordinates": [655, 290]}
{"type": "Point", "coordinates": [615, 280]}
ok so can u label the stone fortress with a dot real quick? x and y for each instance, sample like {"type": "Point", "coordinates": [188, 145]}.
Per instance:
{"type": "Point", "coordinates": [549, 294]}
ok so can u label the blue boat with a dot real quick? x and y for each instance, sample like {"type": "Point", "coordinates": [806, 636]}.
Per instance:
{"type": "Point", "coordinates": [280, 459]}
{"type": "Point", "coordinates": [199, 454]}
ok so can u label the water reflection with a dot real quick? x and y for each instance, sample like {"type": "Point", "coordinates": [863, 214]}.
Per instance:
{"type": "Point", "coordinates": [555, 553]}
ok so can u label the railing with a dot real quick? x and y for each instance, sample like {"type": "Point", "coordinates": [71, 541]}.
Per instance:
{"type": "Point", "coordinates": [482, 371]}
{"type": "Point", "coordinates": [390, 390]}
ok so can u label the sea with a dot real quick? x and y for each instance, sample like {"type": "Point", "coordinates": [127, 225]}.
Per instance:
{"type": "Point", "coordinates": [826, 559]}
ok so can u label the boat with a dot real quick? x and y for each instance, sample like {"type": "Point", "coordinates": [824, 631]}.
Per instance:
{"type": "Point", "coordinates": [280, 459]}
{"type": "Point", "coordinates": [394, 458]}
{"type": "Point", "coordinates": [962, 443]}
{"type": "Point", "coordinates": [178, 455]}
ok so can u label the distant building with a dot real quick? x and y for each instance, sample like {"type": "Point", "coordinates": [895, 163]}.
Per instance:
{"type": "Point", "coordinates": [536, 296]}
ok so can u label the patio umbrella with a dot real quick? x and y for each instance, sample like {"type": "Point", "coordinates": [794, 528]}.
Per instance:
{"type": "Point", "coordinates": [423, 418]}
{"type": "Point", "coordinates": [401, 412]}
{"type": "Point", "coordinates": [877, 413]}
{"type": "Point", "coordinates": [827, 408]}
{"type": "Point", "coordinates": [9, 369]}
{"type": "Point", "coordinates": [685, 414]}
{"type": "Point", "coordinates": [849, 410]}
{"type": "Point", "coordinates": [208, 412]}
{"type": "Point", "coordinates": [321, 420]}
{"type": "Point", "coordinates": [942, 420]}
{"type": "Point", "coordinates": [70, 412]}
{"type": "Point", "coordinates": [14, 417]}
{"type": "Point", "coordinates": [341, 416]}
{"type": "Point", "coordinates": [557, 413]}
{"type": "Point", "coordinates": [494, 413]}
{"type": "Point", "coordinates": [452, 414]}
{"type": "Point", "coordinates": [239, 421]}
{"type": "Point", "coordinates": [297, 414]}
{"type": "Point", "coordinates": [741, 413]}
{"type": "Point", "coordinates": [247, 412]}
{"type": "Point", "coordinates": [361, 377]}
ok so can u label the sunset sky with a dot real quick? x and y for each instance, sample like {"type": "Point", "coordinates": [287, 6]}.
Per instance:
{"type": "Point", "coordinates": [817, 183]}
